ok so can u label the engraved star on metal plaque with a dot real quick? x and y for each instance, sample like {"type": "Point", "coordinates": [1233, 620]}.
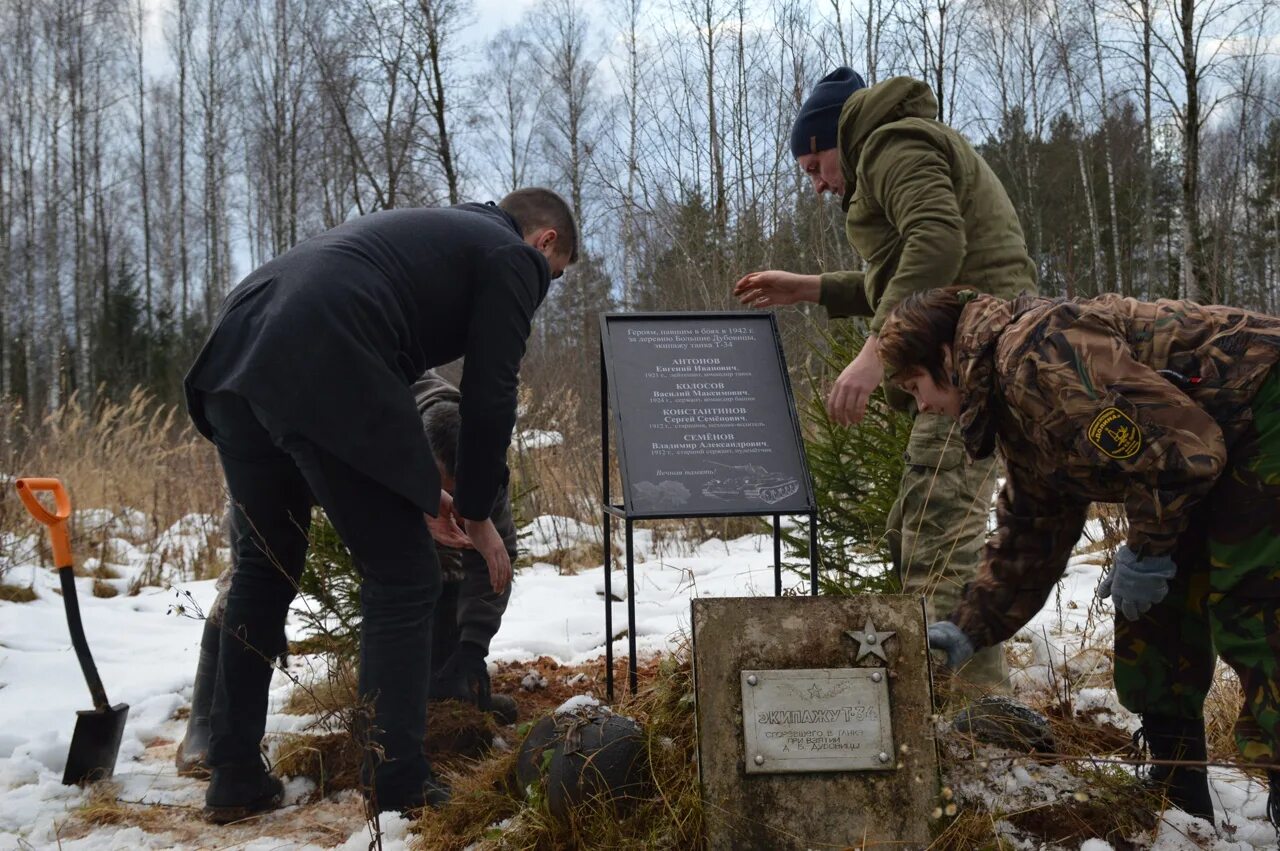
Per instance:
{"type": "Point", "coordinates": [870, 641]}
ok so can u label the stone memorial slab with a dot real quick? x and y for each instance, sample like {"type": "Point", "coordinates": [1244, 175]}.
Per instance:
{"type": "Point", "coordinates": [814, 722]}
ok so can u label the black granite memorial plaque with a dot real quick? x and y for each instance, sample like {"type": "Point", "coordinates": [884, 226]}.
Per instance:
{"type": "Point", "coordinates": [705, 416]}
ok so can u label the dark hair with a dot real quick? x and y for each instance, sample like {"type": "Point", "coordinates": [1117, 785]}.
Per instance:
{"type": "Point", "coordinates": [443, 423]}
{"type": "Point", "coordinates": [535, 208]}
{"type": "Point", "coordinates": [917, 328]}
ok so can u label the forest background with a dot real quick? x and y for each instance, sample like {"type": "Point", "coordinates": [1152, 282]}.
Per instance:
{"type": "Point", "coordinates": [151, 154]}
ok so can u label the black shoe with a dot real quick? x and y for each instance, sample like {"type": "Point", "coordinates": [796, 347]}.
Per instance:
{"type": "Point", "coordinates": [1182, 739]}
{"type": "Point", "coordinates": [193, 750]}
{"type": "Point", "coordinates": [239, 791]}
{"type": "Point", "coordinates": [503, 708]}
{"type": "Point", "coordinates": [464, 677]}
{"type": "Point", "coordinates": [433, 793]}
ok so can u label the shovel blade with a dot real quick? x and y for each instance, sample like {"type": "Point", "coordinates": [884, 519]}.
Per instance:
{"type": "Point", "coordinates": [95, 744]}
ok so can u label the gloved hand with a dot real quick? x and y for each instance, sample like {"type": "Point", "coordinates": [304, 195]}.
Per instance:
{"type": "Point", "coordinates": [1136, 584]}
{"type": "Point", "coordinates": [947, 637]}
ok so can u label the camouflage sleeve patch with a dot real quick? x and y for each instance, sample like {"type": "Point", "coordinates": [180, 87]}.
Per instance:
{"type": "Point", "coordinates": [1102, 410]}
{"type": "Point", "coordinates": [1115, 434]}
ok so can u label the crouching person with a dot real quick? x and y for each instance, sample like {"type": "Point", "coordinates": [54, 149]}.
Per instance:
{"type": "Point", "coordinates": [468, 612]}
{"type": "Point", "coordinates": [471, 604]}
{"type": "Point", "coordinates": [1169, 408]}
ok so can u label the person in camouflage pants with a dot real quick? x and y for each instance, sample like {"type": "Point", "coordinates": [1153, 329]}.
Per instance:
{"type": "Point", "coordinates": [467, 615]}
{"type": "Point", "coordinates": [1225, 596]}
{"type": "Point", "coordinates": [1169, 408]}
{"type": "Point", "coordinates": [921, 207]}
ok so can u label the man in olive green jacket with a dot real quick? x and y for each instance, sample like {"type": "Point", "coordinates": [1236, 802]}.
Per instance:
{"type": "Point", "coordinates": [923, 210]}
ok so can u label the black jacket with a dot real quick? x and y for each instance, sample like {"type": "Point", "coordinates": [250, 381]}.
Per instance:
{"type": "Point", "coordinates": [329, 337]}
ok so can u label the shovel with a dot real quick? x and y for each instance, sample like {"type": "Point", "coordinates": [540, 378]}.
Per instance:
{"type": "Point", "coordinates": [96, 741]}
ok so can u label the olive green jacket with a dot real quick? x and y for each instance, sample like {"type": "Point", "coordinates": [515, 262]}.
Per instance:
{"type": "Point", "coordinates": [922, 208]}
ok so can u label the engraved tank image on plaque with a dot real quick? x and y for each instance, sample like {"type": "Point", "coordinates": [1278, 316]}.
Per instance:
{"type": "Point", "coordinates": [819, 719]}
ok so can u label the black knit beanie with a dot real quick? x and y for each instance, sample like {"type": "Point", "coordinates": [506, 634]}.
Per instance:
{"type": "Point", "coordinates": [817, 123]}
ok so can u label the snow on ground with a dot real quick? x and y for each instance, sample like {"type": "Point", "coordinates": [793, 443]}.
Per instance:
{"type": "Point", "coordinates": [146, 645]}
{"type": "Point", "coordinates": [535, 438]}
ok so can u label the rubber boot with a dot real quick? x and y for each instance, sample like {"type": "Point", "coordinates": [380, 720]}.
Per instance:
{"type": "Point", "coordinates": [239, 791]}
{"type": "Point", "coordinates": [504, 709]}
{"type": "Point", "coordinates": [1185, 786]}
{"type": "Point", "coordinates": [434, 793]}
{"type": "Point", "coordinates": [193, 750]}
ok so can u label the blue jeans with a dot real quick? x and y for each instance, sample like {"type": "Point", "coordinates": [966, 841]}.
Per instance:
{"type": "Point", "coordinates": [274, 476]}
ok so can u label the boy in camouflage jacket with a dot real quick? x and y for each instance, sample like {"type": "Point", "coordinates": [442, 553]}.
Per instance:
{"type": "Point", "coordinates": [1169, 408]}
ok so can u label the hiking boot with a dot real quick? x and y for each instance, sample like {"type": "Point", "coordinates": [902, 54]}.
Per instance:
{"type": "Point", "coordinates": [503, 708]}
{"type": "Point", "coordinates": [1184, 786]}
{"type": "Point", "coordinates": [464, 677]}
{"type": "Point", "coordinates": [433, 793]}
{"type": "Point", "coordinates": [239, 791]}
{"type": "Point", "coordinates": [193, 750]}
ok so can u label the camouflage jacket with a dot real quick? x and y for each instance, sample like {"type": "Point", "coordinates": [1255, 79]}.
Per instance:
{"type": "Point", "coordinates": [923, 208]}
{"type": "Point", "coordinates": [428, 390]}
{"type": "Point", "coordinates": [1096, 400]}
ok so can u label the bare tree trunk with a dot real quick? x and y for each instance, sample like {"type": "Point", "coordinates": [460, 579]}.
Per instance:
{"type": "Point", "coordinates": [439, 16]}
{"type": "Point", "coordinates": [6, 241]}
{"type": "Point", "coordinates": [1104, 136]}
{"type": "Point", "coordinates": [144, 174]}
{"type": "Point", "coordinates": [1192, 253]}
{"type": "Point", "coordinates": [710, 26]}
{"type": "Point", "coordinates": [183, 61]}
{"type": "Point", "coordinates": [1153, 276]}
{"type": "Point", "coordinates": [1066, 64]}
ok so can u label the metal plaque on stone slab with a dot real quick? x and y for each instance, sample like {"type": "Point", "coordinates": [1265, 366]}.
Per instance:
{"type": "Point", "coordinates": [819, 719]}
{"type": "Point", "coordinates": [832, 746]}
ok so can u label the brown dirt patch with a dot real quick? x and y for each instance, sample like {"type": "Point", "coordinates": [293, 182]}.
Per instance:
{"type": "Point", "coordinates": [534, 704]}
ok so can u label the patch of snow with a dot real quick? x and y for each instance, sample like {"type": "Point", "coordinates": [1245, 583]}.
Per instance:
{"type": "Point", "coordinates": [146, 648]}
{"type": "Point", "coordinates": [538, 439]}
{"type": "Point", "coordinates": [577, 702]}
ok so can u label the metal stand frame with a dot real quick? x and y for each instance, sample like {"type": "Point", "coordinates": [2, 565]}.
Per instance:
{"type": "Point", "coordinates": [619, 511]}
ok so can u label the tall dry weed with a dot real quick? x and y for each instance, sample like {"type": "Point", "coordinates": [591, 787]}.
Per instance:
{"type": "Point", "coordinates": [120, 457]}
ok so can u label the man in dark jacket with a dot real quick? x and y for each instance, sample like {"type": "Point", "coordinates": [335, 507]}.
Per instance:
{"type": "Point", "coordinates": [304, 387]}
{"type": "Point", "coordinates": [468, 612]}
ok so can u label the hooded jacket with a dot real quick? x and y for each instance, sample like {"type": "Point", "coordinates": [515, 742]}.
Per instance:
{"type": "Point", "coordinates": [922, 208]}
{"type": "Point", "coordinates": [1097, 400]}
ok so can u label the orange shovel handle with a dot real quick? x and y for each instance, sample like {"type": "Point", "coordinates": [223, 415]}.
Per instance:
{"type": "Point", "coordinates": [56, 521]}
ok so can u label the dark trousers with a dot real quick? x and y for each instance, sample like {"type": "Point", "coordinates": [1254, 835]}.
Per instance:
{"type": "Point", "coordinates": [274, 476]}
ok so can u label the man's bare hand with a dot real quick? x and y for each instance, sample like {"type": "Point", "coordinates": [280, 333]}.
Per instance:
{"type": "Point", "coordinates": [847, 402]}
{"type": "Point", "coordinates": [444, 528]}
{"type": "Point", "coordinates": [484, 536]}
{"type": "Point", "coordinates": [773, 287]}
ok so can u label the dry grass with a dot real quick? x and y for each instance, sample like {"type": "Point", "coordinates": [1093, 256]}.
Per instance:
{"type": "Point", "coordinates": [330, 697]}
{"type": "Point", "coordinates": [114, 456]}
{"type": "Point", "coordinates": [103, 807]}
{"type": "Point", "coordinates": [17, 593]}
{"type": "Point", "coordinates": [1116, 808]}
{"type": "Point", "coordinates": [1221, 709]}
{"type": "Point", "coordinates": [331, 760]}
{"type": "Point", "coordinates": [670, 817]}
{"type": "Point", "coordinates": [104, 589]}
